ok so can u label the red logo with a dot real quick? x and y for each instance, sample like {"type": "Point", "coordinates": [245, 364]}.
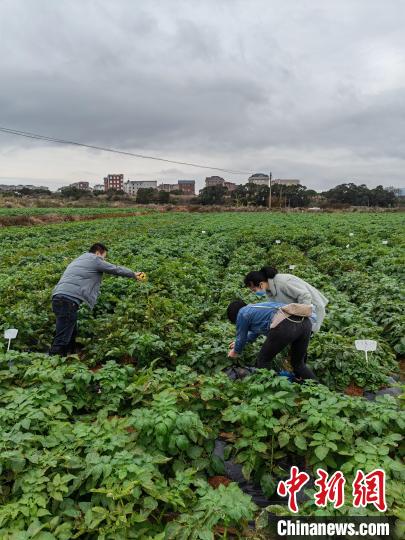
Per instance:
{"type": "Point", "coordinates": [367, 488]}
{"type": "Point", "coordinates": [370, 489]}
{"type": "Point", "coordinates": [330, 489]}
{"type": "Point", "coordinates": [292, 486]}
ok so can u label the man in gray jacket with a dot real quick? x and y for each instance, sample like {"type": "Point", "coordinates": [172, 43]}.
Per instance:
{"type": "Point", "coordinates": [79, 283]}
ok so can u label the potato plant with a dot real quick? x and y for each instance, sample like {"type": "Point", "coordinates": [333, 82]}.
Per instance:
{"type": "Point", "coordinates": [118, 442]}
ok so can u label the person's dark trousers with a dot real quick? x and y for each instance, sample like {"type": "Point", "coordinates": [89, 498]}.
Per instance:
{"type": "Point", "coordinates": [65, 311]}
{"type": "Point", "coordinates": [295, 332]}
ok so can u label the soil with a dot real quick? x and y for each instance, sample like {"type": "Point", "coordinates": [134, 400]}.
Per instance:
{"type": "Point", "coordinates": [354, 390]}
{"type": "Point", "coordinates": [127, 359]}
{"type": "Point", "coordinates": [402, 369]}
{"type": "Point", "coordinates": [95, 369]}
{"type": "Point", "coordinates": [227, 435]}
{"type": "Point", "coordinates": [216, 481]}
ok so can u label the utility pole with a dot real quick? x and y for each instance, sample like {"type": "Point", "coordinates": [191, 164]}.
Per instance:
{"type": "Point", "coordinates": [270, 176]}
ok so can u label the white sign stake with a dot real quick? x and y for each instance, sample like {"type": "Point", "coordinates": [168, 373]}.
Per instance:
{"type": "Point", "coordinates": [292, 266]}
{"type": "Point", "coordinates": [278, 241]}
{"type": "Point", "coordinates": [366, 345]}
{"type": "Point", "coordinates": [10, 334]}
{"type": "Point", "coordinates": [384, 242]}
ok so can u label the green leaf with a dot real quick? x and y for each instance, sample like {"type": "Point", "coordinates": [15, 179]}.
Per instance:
{"type": "Point", "coordinates": [259, 446]}
{"type": "Point", "coordinates": [283, 439]}
{"type": "Point", "coordinates": [300, 442]}
{"type": "Point", "coordinates": [321, 452]}
{"type": "Point", "coordinates": [268, 485]}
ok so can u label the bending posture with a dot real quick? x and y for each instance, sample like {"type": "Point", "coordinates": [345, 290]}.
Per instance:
{"type": "Point", "coordinates": [287, 288]}
{"type": "Point", "coordinates": [281, 328]}
{"type": "Point", "coordinates": [80, 283]}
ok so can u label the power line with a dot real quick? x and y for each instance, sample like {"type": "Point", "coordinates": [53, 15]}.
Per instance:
{"type": "Point", "coordinates": [30, 135]}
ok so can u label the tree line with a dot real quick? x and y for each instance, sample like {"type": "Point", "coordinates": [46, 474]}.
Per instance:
{"type": "Point", "coordinates": [282, 196]}
{"type": "Point", "coordinates": [299, 196]}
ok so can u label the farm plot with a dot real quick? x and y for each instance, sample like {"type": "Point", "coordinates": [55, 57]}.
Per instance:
{"type": "Point", "coordinates": [119, 442]}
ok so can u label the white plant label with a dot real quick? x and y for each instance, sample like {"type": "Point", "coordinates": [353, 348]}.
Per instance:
{"type": "Point", "coordinates": [292, 267]}
{"type": "Point", "coordinates": [385, 242]}
{"type": "Point", "coordinates": [10, 334]}
{"type": "Point", "coordinates": [366, 345]}
{"type": "Point", "coordinates": [278, 241]}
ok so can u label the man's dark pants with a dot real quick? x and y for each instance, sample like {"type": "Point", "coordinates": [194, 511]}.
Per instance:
{"type": "Point", "coordinates": [295, 332]}
{"type": "Point", "coordinates": [64, 341]}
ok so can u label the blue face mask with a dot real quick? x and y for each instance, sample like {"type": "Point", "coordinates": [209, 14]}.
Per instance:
{"type": "Point", "coordinates": [260, 293]}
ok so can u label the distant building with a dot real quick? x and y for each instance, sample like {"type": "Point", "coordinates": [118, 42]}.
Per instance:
{"type": "Point", "coordinates": [286, 182]}
{"type": "Point", "coordinates": [84, 186]}
{"type": "Point", "coordinates": [187, 186]}
{"type": "Point", "coordinates": [114, 181]}
{"type": "Point", "coordinates": [98, 187]}
{"type": "Point", "coordinates": [214, 181]}
{"type": "Point", "coordinates": [259, 179]}
{"type": "Point", "coordinates": [230, 185]}
{"type": "Point", "coordinates": [168, 187]}
{"type": "Point", "coordinates": [131, 187]}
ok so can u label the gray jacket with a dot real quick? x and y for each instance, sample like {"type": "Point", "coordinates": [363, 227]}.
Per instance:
{"type": "Point", "coordinates": [287, 288]}
{"type": "Point", "coordinates": [82, 278]}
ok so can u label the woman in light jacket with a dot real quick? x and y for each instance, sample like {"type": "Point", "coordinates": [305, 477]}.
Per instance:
{"type": "Point", "coordinates": [287, 289]}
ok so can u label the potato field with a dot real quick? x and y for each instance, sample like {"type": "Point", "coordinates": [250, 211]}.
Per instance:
{"type": "Point", "coordinates": [133, 437]}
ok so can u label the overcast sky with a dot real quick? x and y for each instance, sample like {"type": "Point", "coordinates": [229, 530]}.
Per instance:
{"type": "Point", "coordinates": [309, 89]}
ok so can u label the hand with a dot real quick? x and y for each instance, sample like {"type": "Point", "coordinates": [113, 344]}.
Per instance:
{"type": "Point", "coordinates": [140, 276]}
{"type": "Point", "coordinates": [232, 354]}
{"type": "Point", "coordinates": [232, 345]}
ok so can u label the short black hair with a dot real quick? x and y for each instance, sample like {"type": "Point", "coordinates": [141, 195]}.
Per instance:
{"type": "Point", "coordinates": [233, 309]}
{"type": "Point", "coordinates": [255, 278]}
{"type": "Point", "coordinates": [98, 247]}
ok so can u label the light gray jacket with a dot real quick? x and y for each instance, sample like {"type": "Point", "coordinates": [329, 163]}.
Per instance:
{"type": "Point", "coordinates": [82, 278]}
{"type": "Point", "coordinates": [287, 288]}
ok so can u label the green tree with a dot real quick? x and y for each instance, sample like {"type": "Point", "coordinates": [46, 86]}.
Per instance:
{"type": "Point", "coordinates": [253, 195]}
{"type": "Point", "coordinates": [146, 195]}
{"type": "Point", "coordinates": [380, 196]}
{"type": "Point", "coordinates": [70, 192]}
{"type": "Point", "coordinates": [360, 195]}
{"type": "Point", "coordinates": [212, 195]}
{"type": "Point", "coordinates": [163, 197]}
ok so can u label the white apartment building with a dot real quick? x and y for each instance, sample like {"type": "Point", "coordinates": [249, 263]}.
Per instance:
{"type": "Point", "coordinates": [131, 186]}
{"type": "Point", "coordinates": [259, 179]}
{"type": "Point", "coordinates": [286, 182]}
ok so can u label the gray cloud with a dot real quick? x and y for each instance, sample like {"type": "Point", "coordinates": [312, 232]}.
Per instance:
{"type": "Point", "coordinates": [311, 89]}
